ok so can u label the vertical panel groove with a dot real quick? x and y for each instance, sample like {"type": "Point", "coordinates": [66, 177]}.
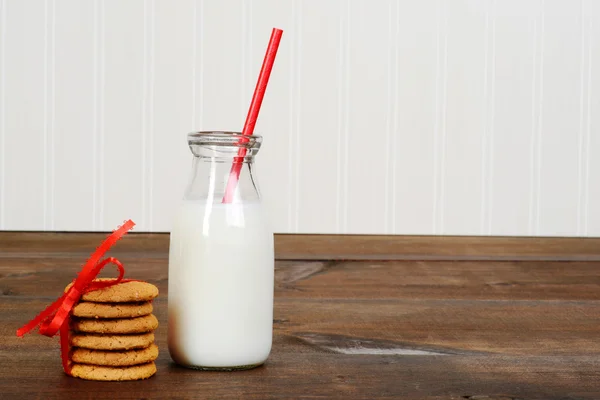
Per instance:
{"type": "Point", "coordinates": [396, 108]}
{"type": "Point", "coordinates": [247, 85]}
{"type": "Point", "coordinates": [295, 115]}
{"type": "Point", "coordinates": [100, 94]}
{"type": "Point", "coordinates": [292, 100]}
{"type": "Point", "coordinates": [340, 108]}
{"type": "Point", "coordinates": [537, 117]}
{"type": "Point", "coordinates": [490, 155]}
{"type": "Point", "coordinates": [51, 185]}
{"type": "Point", "coordinates": [45, 137]}
{"type": "Point", "coordinates": [343, 119]}
{"type": "Point", "coordinates": [147, 118]}
{"type": "Point", "coordinates": [533, 137]}
{"type": "Point", "coordinates": [249, 43]}
{"type": "Point", "coordinates": [2, 109]}
{"type": "Point", "coordinates": [439, 141]}
{"type": "Point", "coordinates": [436, 124]}
{"type": "Point", "coordinates": [443, 136]}
{"type": "Point", "coordinates": [388, 126]}
{"type": "Point", "coordinates": [150, 160]}
{"type": "Point", "coordinates": [98, 116]}
{"type": "Point", "coordinates": [580, 152]}
{"type": "Point", "coordinates": [49, 45]}
{"type": "Point", "coordinates": [195, 24]}
{"type": "Point", "coordinates": [540, 119]}
{"type": "Point", "coordinates": [487, 143]}
{"type": "Point", "coordinates": [346, 133]}
{"type": "Point", "coordinates": [298, 93]}
{"type": "Point", "coordinates": [587, 182]}
{"type": "Point", "coordinates": [244, 66]}
{"type": "Point", "coordinates": [200, 24]}
{"type": "Point", "coordinates": [486, 125]}
{"type": "Point", "coordinates": [144, 132]}
{"type": "Point", "coordinates": [95, 113]}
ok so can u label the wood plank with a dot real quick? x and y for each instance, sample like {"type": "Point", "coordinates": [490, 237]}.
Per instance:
{"type": "Point", "coordinates": [321, 376]}
{"type": "Point", "coordinates": [533, 350]}
{"type": "Point", "coordinates": [348, 326]}
{"type": "Point", "coordinates": [330, 247]}
{"type": "Point", "coordinates": [514, 280]}
{"type": "Point", "coordinates": [523, 280]}
{"type": "Point", "coordinates": [376, 247]}
{"type": "Point", "coordinates": [30, 244]}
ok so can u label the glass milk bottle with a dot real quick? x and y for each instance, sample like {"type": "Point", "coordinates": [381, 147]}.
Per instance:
{"type": "Point", "coordinates": [221, 261]}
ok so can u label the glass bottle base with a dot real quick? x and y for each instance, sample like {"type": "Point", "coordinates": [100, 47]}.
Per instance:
{"type": "Point", "coordinates": [236, 368]}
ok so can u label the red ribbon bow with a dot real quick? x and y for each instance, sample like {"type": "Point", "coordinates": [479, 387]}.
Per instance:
{"type": "Point", "coordinates": [55, 318]}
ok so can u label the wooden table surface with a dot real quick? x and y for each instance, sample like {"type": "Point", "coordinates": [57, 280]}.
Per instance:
{"type": "Point", "coordinates": [355, 317]}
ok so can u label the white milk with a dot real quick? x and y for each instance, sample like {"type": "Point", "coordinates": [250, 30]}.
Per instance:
{"type": "Point", "coordinates": [221, 266]}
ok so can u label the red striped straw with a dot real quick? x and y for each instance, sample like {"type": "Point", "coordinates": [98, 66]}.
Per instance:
{"type": "Point", "coordinates": [257, 98]}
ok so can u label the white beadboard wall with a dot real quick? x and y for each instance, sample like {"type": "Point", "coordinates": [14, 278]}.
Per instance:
{"type": "Point", "coordinates": [469, 117]}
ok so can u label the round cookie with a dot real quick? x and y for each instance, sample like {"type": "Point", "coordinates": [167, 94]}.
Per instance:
{"type": "Point", "coordinates": [101, 373]}
{"type": "Point", "coordinates": [127, 325]}
{"type": "Point", "coordinates": [115, 358]}
{"type": "Point", "coordinates": [112, 342]}
{"type": "Point", "coordinates": [126, 292]}
{"type": "Point", "coordinates": [86, 309]}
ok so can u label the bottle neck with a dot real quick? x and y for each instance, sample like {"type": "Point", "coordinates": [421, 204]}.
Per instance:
{"type": "Point", "coordinates": [210, 175]}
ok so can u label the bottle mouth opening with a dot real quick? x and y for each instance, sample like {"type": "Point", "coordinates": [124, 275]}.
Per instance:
{"type": "Point", "coordinates": [224, 138]}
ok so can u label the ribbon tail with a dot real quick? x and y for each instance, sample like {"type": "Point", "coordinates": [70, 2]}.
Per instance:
{"type": "Point", "coordinates": [65, 348]}
{"type": "Point", "coordinates": [48, 311]}
{"type": "Point", "coordinates": [51, 326]}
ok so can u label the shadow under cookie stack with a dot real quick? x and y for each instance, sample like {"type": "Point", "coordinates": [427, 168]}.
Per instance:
{"type": "Point", "coordinates": [112, 333]}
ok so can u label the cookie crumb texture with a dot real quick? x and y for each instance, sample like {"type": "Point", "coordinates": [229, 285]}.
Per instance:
{"type": "Point", "coordinates": [102, 373]}
{"type": "Point", "coordinates": [127, 292]}
{"type": "Point", "coordinates": [147, 323]}
{"type": "Point", "coordinates": [86, 309]}
{"type": "Point", "coordinates": [115, 358]}
{"type": "Point", "coordinates": [112, 342]}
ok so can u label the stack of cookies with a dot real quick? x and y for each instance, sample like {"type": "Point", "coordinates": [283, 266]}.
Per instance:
{"type": "Point", "coordinates": [112, 333]}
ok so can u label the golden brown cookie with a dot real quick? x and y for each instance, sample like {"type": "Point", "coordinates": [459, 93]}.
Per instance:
{"type": "Point", "coordinates": [112, 342]}
{"type": "Point", "coordinates": [86, 309]}
{"type": "Point", "coordinates": [102, 373]}
{"type": "Point", "coordinates": [115, 358]}
{"type": "Point", "coordinates": [146, 323]}
{"type": "Point", "coordinates": [127, 292]}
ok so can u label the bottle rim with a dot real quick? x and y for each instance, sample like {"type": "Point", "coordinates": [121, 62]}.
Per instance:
{"type": "Point", "coordinates": [224, 138]}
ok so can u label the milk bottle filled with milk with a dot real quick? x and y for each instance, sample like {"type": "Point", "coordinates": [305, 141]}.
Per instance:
{"type": "Point", "coordinates": [221, 260]}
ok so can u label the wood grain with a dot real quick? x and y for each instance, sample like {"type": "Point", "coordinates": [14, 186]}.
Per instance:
{"type": "Point", "coordinates": [329, 247]}
{"type": "Point", "coordinates": [395, 329]}
{"type": "Point", "coordinates": [491, 280]}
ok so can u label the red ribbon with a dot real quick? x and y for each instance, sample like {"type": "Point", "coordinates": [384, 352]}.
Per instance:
{"type": "Point", "coordinates": [56, 317]}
